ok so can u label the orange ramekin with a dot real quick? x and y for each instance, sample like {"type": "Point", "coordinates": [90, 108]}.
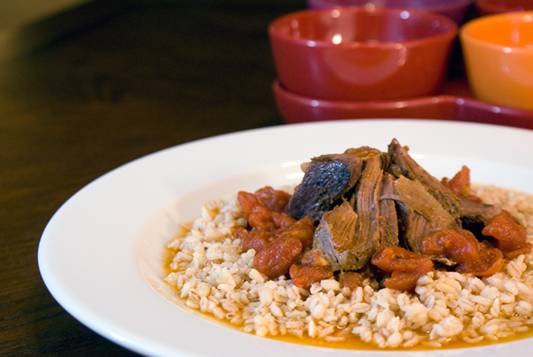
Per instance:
{"type": "Point", "coordinates": [498, 53]}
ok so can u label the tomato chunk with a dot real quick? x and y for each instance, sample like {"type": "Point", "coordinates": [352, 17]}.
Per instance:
{"type": "Point", "coordinates": [402, 280]}
{"type": "Point", "coordinates": [282, 220]}
{"type": "Point", "coordinates": [511, 236]}
{"type": "Point", "coordinates": [351, 279]}
{"type": "Point", "coordinates": [458, 245]}
{"type": "Point", "coordinates": [462, 247]}
{"type": "Point", "coordinates": [254, 239]}
{"type": "Point", "coordinates": [247, 201]}
{"type": "Point", "coordinates": [460, 184]}
{"type": "Point", "coordinates": [489, 262]}
{"type": "Point", "coordinates": [302, 230]}
{"type": "Point", "coordinates": [313, 268]}
{"type": "Point", "coordinates": [404, 266]}
{"type": "Point", "coordinates": [392, 259]}
{"type": "Point", "coordinates": [263, 209]}
{"type": "Point", "coordinates": [304, 276]}
{"type": "Point", "coordinates": [261, 218]}
{"type": "Point", "coordinates": [525, 249]}
{"type": "Point", "coordinates": [276, 258]}
{"type": "Point", "coordinates": [275, 200]}
{"type": "Point", "coordinates": [277, 238]}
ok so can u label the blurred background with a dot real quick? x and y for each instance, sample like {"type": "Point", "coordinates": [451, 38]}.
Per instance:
{"type": "Point", "coordinates": [19, 13]}
{"type": "Point", "coordinates": [86, 86]}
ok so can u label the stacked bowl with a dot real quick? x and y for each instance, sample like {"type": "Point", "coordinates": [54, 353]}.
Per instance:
{"type": "Point", "coordinates": [386, 57]}
{"type": "Point", "coordinates": [360, 54]}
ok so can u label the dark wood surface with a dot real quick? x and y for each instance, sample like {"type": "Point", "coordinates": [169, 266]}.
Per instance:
{"type": "Point", "coordinates": [152, 75]}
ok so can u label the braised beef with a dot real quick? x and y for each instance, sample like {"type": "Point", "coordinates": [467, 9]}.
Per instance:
{"type": "Point", "coordinates": [388, 217]}
{"type": "Point", "coordinates": [327, 179]}
{"type": "Point", "coordinates": [420, 212]}
{"type": "Point", "coordinates": [367, 237]}
{"type": "Point", "coordinates": [413, 226]}
{"type": "Point", "coordinates": [367, 203]}
{"type": "Point", "coordinates": [411, 169]}
{"type": "Point", "coordinates": [335, 236]}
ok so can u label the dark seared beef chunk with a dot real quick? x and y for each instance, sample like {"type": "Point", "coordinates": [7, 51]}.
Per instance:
{"type": "Point", "coordinates": [421, 212]}
{"type": "Point", "coordinates": [411, 169]}
{"type": "Point", "coordinates": [368, 194]}
{"type": "Point", "coordinates": [335, 236]}
{"type": "Point", "coordinates": [388, 218]}
{"type": "Point", "coordinates": [327, 178]}
{"type": "Point", "coordinates": [349, 239]}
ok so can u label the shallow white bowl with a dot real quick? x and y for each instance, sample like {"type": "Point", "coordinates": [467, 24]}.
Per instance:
{"type": "Point", "coordinates": [100, 254]}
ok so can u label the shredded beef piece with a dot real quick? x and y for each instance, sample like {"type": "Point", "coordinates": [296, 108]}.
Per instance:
{"type": "Point", "coordinates": [335, 236]}
{"type": "Point", "coordinates": [388, 216]}
{"type": "Point", "coordinates": [420, 212]}
{"type": "Point", "coordinates": [327, 180]}
{"type": "Point", "coordinates": [474, 213]}
{"type": "Point", "coordinates": [411, 169]}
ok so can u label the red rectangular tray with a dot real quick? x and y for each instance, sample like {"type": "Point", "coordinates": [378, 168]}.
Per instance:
{"type": "Point", "coordinates": [453, 102]}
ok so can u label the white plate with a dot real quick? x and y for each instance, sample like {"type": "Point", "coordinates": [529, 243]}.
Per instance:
{"type": "Point", "coordinates": [100, 253]}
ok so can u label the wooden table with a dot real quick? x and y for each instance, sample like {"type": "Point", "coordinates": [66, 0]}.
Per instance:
{"type": "Point", "coordinates": [148, 76]}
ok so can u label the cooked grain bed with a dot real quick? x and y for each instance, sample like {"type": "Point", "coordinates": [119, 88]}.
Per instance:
{"type": "Point", "coordinates": [212, 275]}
